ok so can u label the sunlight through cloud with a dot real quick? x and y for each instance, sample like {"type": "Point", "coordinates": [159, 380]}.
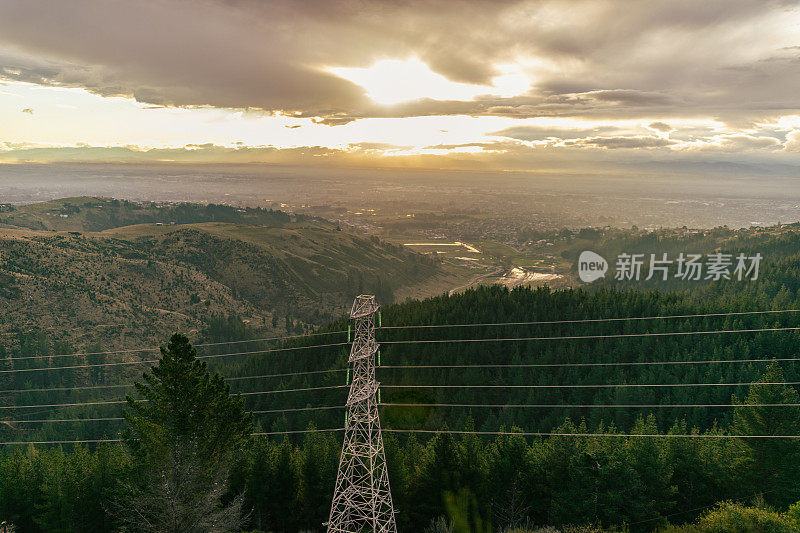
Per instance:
{"type": "Point", "coordinates": [392, 81]}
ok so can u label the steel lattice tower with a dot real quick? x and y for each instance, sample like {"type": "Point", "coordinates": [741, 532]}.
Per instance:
{"type": "Point", "coordinates": [362, 500]}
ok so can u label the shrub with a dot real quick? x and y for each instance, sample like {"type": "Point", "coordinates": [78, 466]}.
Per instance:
{"type": "Point", "coordinates": [729, 517]}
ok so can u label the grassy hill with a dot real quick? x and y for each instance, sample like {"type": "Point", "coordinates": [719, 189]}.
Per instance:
{"type": "Point", "coordinates": [89, 270]}
{"type": "Point", "coordinates": [96, 214]}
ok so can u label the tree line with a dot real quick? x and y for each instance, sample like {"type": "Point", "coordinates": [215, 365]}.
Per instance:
{"type": "Point", "coordinates": [188, 462]}
{"type": "Point", "coordinates": [285, 484]}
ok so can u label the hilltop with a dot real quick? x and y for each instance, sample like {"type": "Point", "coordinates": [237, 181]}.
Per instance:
{"type": "Point", "coordinates": [87, 270]}
{"type": "Point", "coordinates": [89, 214]}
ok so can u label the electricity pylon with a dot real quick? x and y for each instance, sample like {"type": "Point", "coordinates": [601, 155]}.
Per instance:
{"type": "Point", "coordinates": [362, 500]}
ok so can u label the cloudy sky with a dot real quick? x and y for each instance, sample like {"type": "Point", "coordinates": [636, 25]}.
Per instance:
{"type": "Point", "coordinates": [502, 85]}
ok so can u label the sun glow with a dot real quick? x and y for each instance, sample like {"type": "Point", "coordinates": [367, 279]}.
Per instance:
{"type": "Point", "coordinates": [393, 81]}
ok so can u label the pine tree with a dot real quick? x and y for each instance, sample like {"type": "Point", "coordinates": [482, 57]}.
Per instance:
{"type": "Point", "coordinates": [184, 437]}
{"type": "Point", "coordinates": [317, 468]}
{"type": "Point", "coordinates": [439, 473]}
{"type": "Point", "coordinates": [771, 464]}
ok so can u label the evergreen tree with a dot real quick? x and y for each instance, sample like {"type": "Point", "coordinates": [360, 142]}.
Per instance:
{"type": "Point", "coordinates": [505, 485]}
{"type": "Point", "coordinates": [317, 466]}
{"type": "Point", "coordinates": [271, 479]}
{"type": "Point", "coordinates": [184, 437]}
{"type": "Point", "coordinates": [438, 474]}
{"type": "Point", "coordinates": [771, 465]}
{"type": "Point", "coordinates": [649, 458]}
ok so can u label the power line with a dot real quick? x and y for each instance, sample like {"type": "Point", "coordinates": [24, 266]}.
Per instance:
{"type": "Point", "coordinates": [118, 418]}
{"type": "Point", "coordinates": [432, 326]}
{"type": "Point", "coordinates": [271, 350]}
{"type": "Point", "coordinates": [42, 369]}
{"type": "Point", "coordinates": [292, 390]}
{"type": "Point", "coordinates": [287, 374]}
{"type": "Point", "coordinates": [72, 404]}
{"type": "Point", "coordinates": [621, 363]}
{"type": "Point", "coordinates": [434, 386]}
{"type": "Point", "coordinates": [150, 361]}
{"type": "Point", "coordinates": [56, 389]}
{"type": "Point", "coordinates": [607, 336]}
{"type": "Point", "coordinates": [323, 408]}
{"type": "Point", "coordinates": [610, 435]}
{"type": "Point", "coordinates": [117, 402]}
{"type": "Point", "coordinates": [447, 386]}
{"type": "Point", "coordinates": [81, 441]}
{"type": "Point", "coordinates": [422, 326]}
{"type": "Point", "coordinates": [265, 339]}
{"type": "Point", "coordinates": [411, 367]}
{"type": "Point", "coordinates": [46, 420]}
{"type": "Point", "coordinates": [427, 341]}
{"type": "Point", "coordinates": [96, 441]}
{"type": "Point", "coordinates": [154, 349]}
{"type": "Point", "coordinates": [589, 320]}
{"type": "Point", "coordinates": [326, 430]}
{"type": "Point", "coordinates": [429, 326]}
{"type": "Point", "coordinates": [462, 405]}
{"type": "Point", "coordinates": [461, 432]}
{"type": "Point", "coordinates": [127, 385]}
{"type": "Point", "coordinates": [600, 406]}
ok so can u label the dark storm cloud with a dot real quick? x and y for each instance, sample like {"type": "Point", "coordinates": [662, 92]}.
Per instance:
{"type": "Point", "coordinates": [171, 52]}
{"type": "Point", "coordinates": [726, 59]}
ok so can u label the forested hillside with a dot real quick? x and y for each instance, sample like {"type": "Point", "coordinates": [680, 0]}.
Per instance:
{"type": "Point", "coordinates": [601, 480]}
{"type": "Point", "coordinates": [567, 361]}
{"type": "Point", "coordinates": [775, 244]}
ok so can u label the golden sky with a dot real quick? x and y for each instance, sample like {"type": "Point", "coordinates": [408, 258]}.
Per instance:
{"type": "Point", "coordinates": [502, 85]}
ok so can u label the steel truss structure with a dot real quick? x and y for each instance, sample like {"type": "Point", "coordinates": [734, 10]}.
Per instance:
{"type": "Point", "coordinates": [362, 500]}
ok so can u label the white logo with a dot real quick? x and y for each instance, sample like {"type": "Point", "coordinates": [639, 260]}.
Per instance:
{"type": "Point", "coordinates": [591, 266]}
{"type": "Point", "coordinates": [636, 266]}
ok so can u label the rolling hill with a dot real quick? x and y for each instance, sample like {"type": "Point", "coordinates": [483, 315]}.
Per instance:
{"type": "Point", "coordinates": [91, 270]}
